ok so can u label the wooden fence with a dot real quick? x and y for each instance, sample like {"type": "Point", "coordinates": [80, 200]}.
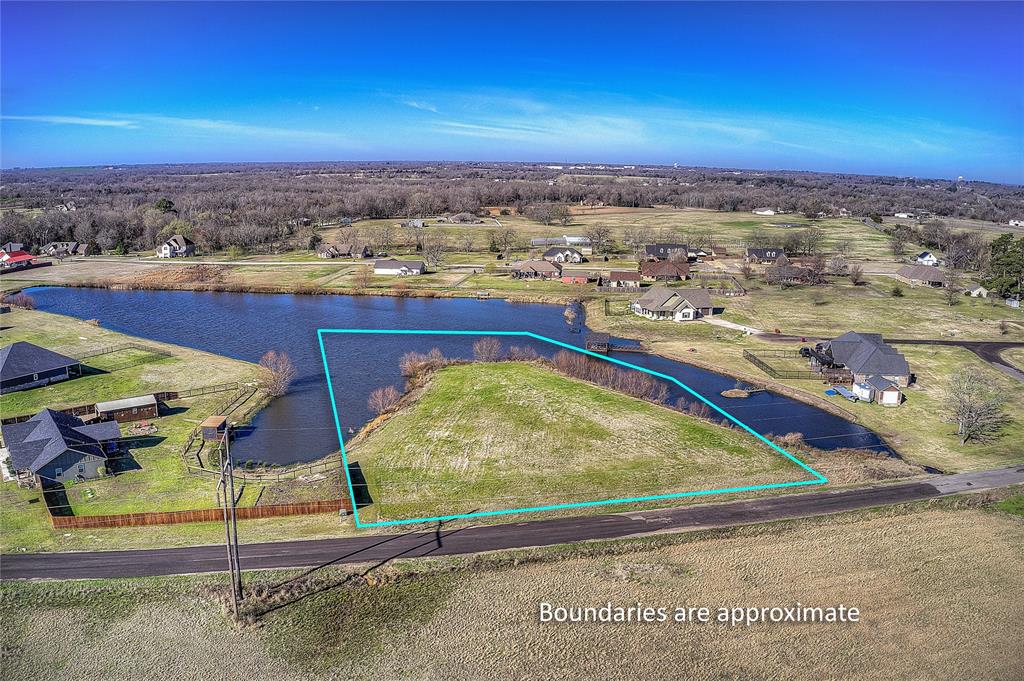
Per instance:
{"type": "Point", "coordinates": [202, 515]}
{"type": "Point", "coordinates": [108, 349]}
{"type": "Point", "coordinates": [756, 357]}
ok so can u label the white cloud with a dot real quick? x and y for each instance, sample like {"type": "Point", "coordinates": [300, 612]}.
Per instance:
{"type": "Point", "coordinates": [422, 106]}
{"type": "Point", "coordinates": [74, 120]}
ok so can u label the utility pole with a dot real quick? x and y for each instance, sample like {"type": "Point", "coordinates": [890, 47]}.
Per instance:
{"type": "Point", "coordinates": [226, 493]}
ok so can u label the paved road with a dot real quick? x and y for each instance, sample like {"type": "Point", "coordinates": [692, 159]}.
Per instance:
{"type": "Point", "coordinates": [381, 548]}
{"type": "Point", "coordinates": [990, 351]}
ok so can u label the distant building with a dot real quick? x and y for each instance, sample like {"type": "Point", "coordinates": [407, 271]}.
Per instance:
{"type": "Point", "coordinates": [52, 448]}
{"type": "Point", "coordinates": [400, 268]}
{"type": "Point", "coordinates": [679, 252]}
{"type": "Point", "coordinates": [622, 279]}
{"type": "Point", "coordinates": [12, 246]}
{"type": "Point", "coordinates": [976, 291]}
{"type": "Point", "coordinates": [927, 258]}
{"type": "Point", "coordinates": [353, 251]}
{"type": "Point", "coordinates": [922, 275]}
{"type": "Point", "coordinates": [213, 427]}
{"type": "Point", "coordinates": [24, 365]}
{"type": "Point", "coordinates": [904, 216]}
{"type": "Point", "coordinates": [563, 254]}
{"type": "Point", "coordinates": [580, 243]}
{"type": "Point", "coordinates": [327, 251]}
{"type": "Point", "coordinates": [578, 276]}
{"type": "Point", "coordinates": [64, 249]}
{"type": "Point", "coordinates": [15, 260]}
{"type": "Point", "coordinates": [759, 255]}
{"type": "Point", "coordinates": [537, 269]}
{"type": "Point", "coordinates": [177, 246]}
{"type": "Point", "coordinates": [678, 305]}
{"type": "Point", "coordinates": [664, 270]}
{"type": "Point", "coordinates": [763, 211]}
{"type": "Point", "coordinates": [1016, 223]}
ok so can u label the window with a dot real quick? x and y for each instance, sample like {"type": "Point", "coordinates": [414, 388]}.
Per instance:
{"type": "Point", "coordinates": [81, 468]}
{"type": "Point", "coordinates": [58, 472]}
{"type": "Point", "coordinates": [35, 377]}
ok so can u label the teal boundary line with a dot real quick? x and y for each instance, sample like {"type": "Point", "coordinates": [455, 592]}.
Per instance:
{"type": "Point", "coordinates": [819, 479]}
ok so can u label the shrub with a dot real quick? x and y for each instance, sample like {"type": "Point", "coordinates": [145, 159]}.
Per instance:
{"type": "Point", "coordinates": [383, 400]}
{"type": "Point", "coordinates": [896, 292]}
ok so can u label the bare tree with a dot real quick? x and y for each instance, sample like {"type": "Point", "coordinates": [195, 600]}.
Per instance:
{"type": "Point", "coordinates": [383, 400]}
{"type": "Point", "coordinates": [364, 276]}
{"type": "Point", "coordinates": [837, 265]}
{"type": "Point", "coordinates": [277, 372]}
{"type": "Point", "coordinates": [856, 275]}
{"type": "Point", "coordinates": [382, 236]}
{"type": "Point", "coordinates": [599, 236]}
{"type": "Point", "coordinates": [636, 239]}
{"type": "Point", "coordinates": [976, 410]}
{"type": "Point", "coordinates": [487, 349]}
{"type": "Point", "coordinates": [467, 241]}
{"type": "Point", "coordinates": [746, 270]}
{"type": "Point", "coordinates": [954, 288]}
{"type": "Point", "coordinates": [898, 238]}
{"type": "Point", "coordinates": [433, 247]}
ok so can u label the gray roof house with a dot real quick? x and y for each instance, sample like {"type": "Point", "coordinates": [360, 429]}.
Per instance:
{"type": "Point", "coordinates": [175, 247]}
{"type": "Point", "coordinates": [563, 254]}
{"type": "Point", "coordinates": [922, 275]}
{"type": "Point", "coordinates": [866, 355]}
{"type": "Point", "coordinates": [24, 365]}
{"type": "Point", "coordinates": [677, 304]}
{"type": "Point", "coordinates": [54, 447]}
{"type": "Point", "coordinates": [667, 251]}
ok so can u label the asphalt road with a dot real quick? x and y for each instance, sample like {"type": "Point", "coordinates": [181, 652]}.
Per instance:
{"type": "Point", "coordinates": [990, 351]}
{"type": "Point", "coordinates": [441, 541]}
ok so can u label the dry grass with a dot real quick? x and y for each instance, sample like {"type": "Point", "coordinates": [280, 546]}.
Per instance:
{"type": "Point", "coordinates": [936, 590]}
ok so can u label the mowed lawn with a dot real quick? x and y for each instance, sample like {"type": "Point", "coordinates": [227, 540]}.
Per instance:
{"type": "Point", "coordinates": [511, 435]}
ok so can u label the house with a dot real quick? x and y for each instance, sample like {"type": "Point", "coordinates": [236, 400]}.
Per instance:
{"type": "Point", "coordinates": [759, 255]}
{"type": "Point", "coordinates": [52, 448]}
{"type": "Point", "coordinates": [563, 254]}
{"type": "Point", "coordinates": [976, 291]}
{"type": "Point", "coordinates": [327, 251]}
{"type": "Point", "coordinates": [922, 275]}
{"type": "Point", "coordinates": [416, 223]}
{"type": "Point", "coordinates": [864, 355]}
{"type": "Point", "coordinates": [537, 269]}
{"type": "Point", "coordinates": [904, 216]}
{"type": "Point", "coordinates": [664, 270]}
{"type": "Point", "coordinates": [621, 279]}
{"type": "Point", "coordinates": [580, 243]}
{"type": "Point", "coordinates": [578, 276]}
{"type": "Point", "coordinates": [782, 272]}
{"type": "Point", "coordinates": [24, 365]}
{"type": "Point", "coordinates": [177, 246]}
{"type": "Point", "coordinates": [128, 409]}
{"type": "Point", "coordinates": [1013, 301]}
{"type": "Point", "coordinates": [679, 252]}
{"type": "Point", "coordinates": [401, 268]}
{"type": "Point", "coordinates": [927, 258]}
{"type": "Point", "coordinates": [12, 246]}
{"type": "Point", "coordinates": [1016, 223]}
{"type": "Point", "coordinates": [880, 390]}
{"type": "Point", "coordinates": [763, 211]}
{"type": "Point", "coordinates": [679, 305]}
{"type": "Point", "coordinates": [353, 251]}
{"type": "Point", "coordinates": [64, 249]}
{"type": "Point", "coordinates": [213, 427]}
{"type": "Point", "coordinates": [14, 260]}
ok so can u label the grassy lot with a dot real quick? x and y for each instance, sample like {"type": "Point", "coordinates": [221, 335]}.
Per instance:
{"type": "Point", "coordinates": [821, 310]}
{"type": "Point", "coordinates": [524, 435]}
{"type": "Point", "coordinates": [917, 429]}
{"type": "Point", "coordinates": [944, 612]}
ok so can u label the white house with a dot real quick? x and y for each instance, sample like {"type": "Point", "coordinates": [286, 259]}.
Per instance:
{"type": "Point", "coordinates": [563, 254]}
{"type": "Point", "coordinates": [976, 291]}
{"type": "Point", "coordinates": [927, 258]}
{"type": "Point", "coordinates": [763, 211]}
{"type": "Point", "coordinates": [1016, 223]}
{"type": "Point", "coordinates": [177, 246]}
{"type": "Point", "coordinates": [679, 305]}
{"type": "Point", "coordinates": [879, 390]}
{"type": "Point", "coordinates": [401, 268]}
{"type": "Point", "coordinates": [904, 216]}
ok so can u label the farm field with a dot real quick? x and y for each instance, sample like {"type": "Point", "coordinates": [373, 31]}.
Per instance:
{"type": "Point", "coordinates": [439, 614]}
{"type": "Point", "coordinates": [524, 435]}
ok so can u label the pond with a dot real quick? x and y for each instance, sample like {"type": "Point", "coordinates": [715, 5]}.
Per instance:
{"type": "Point", "coordinates": [300, 426]}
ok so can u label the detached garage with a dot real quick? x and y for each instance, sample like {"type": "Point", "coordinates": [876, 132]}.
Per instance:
{"type": "Point", "coordinates": [128, 409]}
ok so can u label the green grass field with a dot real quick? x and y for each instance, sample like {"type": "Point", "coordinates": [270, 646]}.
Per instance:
{"type": "Point", "coordinates": [523, 435]}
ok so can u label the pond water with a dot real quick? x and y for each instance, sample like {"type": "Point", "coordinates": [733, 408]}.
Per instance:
{"type": "Point", "coordinates": [300, 426]}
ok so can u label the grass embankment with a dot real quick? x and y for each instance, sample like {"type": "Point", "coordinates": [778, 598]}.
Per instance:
{"type": "Point", "coordinates": [160, 481]}
{"type": "Point", "coordinates": [477, 616]}
{"type": "Point", "coordinates": [509, 435]}
{"type": "Point", "coordinates": [918, 429]}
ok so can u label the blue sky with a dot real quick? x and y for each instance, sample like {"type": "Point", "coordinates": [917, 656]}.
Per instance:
{"type": "Point", "coordinates": [911, 89]}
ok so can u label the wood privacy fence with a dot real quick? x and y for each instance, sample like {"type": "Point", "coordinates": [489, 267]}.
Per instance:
{"type": "Point", "coordinates": [202, 515]}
